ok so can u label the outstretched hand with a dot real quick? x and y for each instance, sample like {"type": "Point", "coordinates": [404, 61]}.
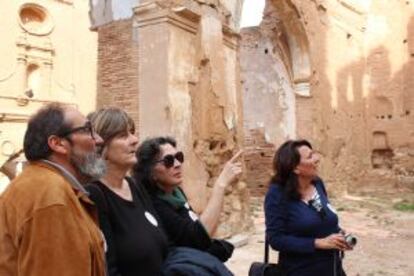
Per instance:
{"type": "Point", "coordinates": [231, 170]}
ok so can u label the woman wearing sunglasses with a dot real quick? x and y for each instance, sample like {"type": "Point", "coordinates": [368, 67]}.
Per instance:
{"type": "Point", "coordinates": [136, 245]}
{"type": "Point", "coordinates": [159, 169]}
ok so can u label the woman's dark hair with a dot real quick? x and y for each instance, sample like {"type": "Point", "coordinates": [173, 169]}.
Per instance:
{"type": "Point", "coordinates": [49, 120]}
{"type": "Point", "coordinates": [148, 152]}
{"type": "Point", "coordinates": [285, 161]}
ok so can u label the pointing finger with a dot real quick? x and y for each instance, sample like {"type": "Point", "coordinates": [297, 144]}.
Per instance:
{"type": "Point", "coordinates": [236, 156]}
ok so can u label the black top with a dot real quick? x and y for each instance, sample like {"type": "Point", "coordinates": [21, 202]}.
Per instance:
{"type": "Point", "coordinates": [183, 228]}
{"type": "Point", "coordinates": [135, 240]}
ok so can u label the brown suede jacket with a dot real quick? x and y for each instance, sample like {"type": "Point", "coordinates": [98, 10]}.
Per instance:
{"type": "Point", "coordinates": [48, 228]}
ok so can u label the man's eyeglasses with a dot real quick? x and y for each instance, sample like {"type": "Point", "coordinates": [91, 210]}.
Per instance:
{"type": "Point", "coordinates": [87, 128]}
{"type": "Point", "coordinates": [169, 159]}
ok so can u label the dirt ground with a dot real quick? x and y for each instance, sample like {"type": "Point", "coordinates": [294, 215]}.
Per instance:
{"type": "Point", "coordinates": [385, 238]}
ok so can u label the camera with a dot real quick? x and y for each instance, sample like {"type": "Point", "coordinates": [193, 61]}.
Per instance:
{"type": "Point", "coordinates": [351, 240]}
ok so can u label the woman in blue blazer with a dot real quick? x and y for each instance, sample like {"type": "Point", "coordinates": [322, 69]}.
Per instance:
{"type": "Point", "coordinates": [300, 222]}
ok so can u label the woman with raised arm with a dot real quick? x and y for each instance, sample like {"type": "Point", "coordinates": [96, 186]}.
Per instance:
{"type": "Point", "coordinates": [159, 169]}
{"type": "Point", "coordinates": [136, 244]}
{"type": "Point", "coordinates": [300, 222]}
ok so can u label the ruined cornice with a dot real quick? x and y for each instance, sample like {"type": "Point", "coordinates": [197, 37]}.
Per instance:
{"type": "Point", "coordinates": [24, 101]}
{"type": "Point", "coordinates": [14, 117]}
{"type": "Point", "coordinates": [231, 38]}
{"type": "Point", "coordinates": [153, 13]}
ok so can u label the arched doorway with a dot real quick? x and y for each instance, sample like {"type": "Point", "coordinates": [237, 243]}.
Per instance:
{"type": "Point", "coordinates": [276, 72]}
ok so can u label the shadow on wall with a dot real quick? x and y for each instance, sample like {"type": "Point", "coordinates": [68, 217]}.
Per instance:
{"type": "Point", "coordinates": [379, 112]}
{"type": "Point", "coordinates": [366, 132]}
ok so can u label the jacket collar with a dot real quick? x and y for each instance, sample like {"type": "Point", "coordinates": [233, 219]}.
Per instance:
{"type": "Point", "coordinates": [68, 176]}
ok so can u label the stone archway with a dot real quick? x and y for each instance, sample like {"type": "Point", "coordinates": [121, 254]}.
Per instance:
{"type": "Point", "coordinates": [284, 26]}
{"type": "Point", "coordinates": [276, 73]}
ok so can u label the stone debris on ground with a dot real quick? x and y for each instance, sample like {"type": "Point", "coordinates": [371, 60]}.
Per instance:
{"type": "Point", "coordinates": [385, 239]}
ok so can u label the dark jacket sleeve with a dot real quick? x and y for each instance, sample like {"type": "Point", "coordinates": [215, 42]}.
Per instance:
{"type": "Point", "coordinates": [180, 228]}
{"type": "Point", "coordinates": [98, 197]}
{"type": "Point", "coordinates": [187, 261]}
{"type": "Point", "coordinates": [276, 216]}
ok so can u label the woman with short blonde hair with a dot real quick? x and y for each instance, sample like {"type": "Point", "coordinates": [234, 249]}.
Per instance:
{"type": "Point", "coordinates": [136, 243]}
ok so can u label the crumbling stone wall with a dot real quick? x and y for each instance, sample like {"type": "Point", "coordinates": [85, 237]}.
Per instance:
{"type": "Point", "coordinates": [358, 108]}
{"type": "Point", "coordinates": [268, 106]}
{"type": "Point", "coordinates": [258, 157]}
{"type": "Point", "coordinates": [184, 61]}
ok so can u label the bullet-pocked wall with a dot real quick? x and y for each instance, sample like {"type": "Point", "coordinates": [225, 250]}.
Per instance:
{"type": "Point", "coordinates": [181, 78]}
{"type": "Point", "coordinates": [357, 111]}
{"type": "Point", "coordinates": [276, 76]}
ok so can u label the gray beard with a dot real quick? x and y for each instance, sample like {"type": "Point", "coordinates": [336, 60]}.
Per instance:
{"type": "Point", "coordinates": [90, 165]}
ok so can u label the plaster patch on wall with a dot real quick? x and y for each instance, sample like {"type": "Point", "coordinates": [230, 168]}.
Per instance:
{"type": "Point", "coordinates": [105, 11]}
{"type": "Point", "coordinates": [377, 27]}
{"type": "Point", "coordinates": [267, 87]}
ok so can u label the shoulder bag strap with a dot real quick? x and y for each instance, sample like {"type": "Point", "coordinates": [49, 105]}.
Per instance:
{"type": "Point", "coordinates": [266, 251]}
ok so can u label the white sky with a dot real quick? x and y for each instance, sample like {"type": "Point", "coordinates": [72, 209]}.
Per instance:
{"type": "Point", "coordinates": [252, 13]}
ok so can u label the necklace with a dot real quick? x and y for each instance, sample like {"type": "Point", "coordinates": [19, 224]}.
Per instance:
{"type": "Point", "coordinates": [308, 194]}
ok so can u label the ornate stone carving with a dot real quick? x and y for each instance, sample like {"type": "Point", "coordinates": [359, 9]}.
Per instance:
{"type": "Point", "coordinates": [35, 19]}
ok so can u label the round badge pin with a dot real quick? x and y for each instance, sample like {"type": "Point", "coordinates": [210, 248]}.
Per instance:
{"type": "Point", "coordinates": [151, 218]}
{"type": "Point", "coordinates": [193, 215]}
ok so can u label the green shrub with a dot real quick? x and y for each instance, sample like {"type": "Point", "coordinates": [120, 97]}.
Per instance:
{"type": "Point", "coordinates": [404, 206]}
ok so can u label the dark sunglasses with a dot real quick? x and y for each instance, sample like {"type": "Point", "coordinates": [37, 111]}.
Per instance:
{"type": "Point", "coordinates": [169, 159]}
{"type": "Point", "coordinates": [87, 128]}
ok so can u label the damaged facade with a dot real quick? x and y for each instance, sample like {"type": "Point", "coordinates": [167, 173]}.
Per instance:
{"type": "Point", "coordinates": [342, 70]}
{"type": "Point", "coordinates": [174, 66]}
{"type": "Point", "coordinates": [47, 54]}
{"type": "Point", "coordinates": [336, 72]}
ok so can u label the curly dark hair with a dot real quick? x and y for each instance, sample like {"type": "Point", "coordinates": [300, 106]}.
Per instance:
{"type": "Point", "coordinates": [285, 161]}
{"type": "Point", "coordinates": [147, 154]}
{"type": "Point", "coordinates": [49, 120]}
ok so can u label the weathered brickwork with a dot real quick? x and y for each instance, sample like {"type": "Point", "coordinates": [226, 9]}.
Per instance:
{"type": "Point", "coordinates": [258, 155]}
{"type": "Point", "coordinates": [350, 65]}
{"type": "Point", "coordinates": [183, 73]}
{"type": "Point", "coordinates": [118, 67]}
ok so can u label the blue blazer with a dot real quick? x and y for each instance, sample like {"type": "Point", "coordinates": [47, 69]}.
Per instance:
{"type": "Point", "coordinates": [292, 227]}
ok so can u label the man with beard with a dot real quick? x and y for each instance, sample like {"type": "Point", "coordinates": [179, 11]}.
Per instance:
{"type": "Point", "coordinates": [47, 221]}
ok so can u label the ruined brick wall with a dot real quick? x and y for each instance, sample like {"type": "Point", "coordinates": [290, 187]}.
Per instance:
{"type": "Point", "coordinates": [258, 156]}
{"type": "Point", "coordinates": [267, 105]}
{"type": "Point", "coordinates": [358, 110]}
{"type": "Point", "coordinates": [118, 67]}
{"type": "Point", "coordinates": [184, 69]}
